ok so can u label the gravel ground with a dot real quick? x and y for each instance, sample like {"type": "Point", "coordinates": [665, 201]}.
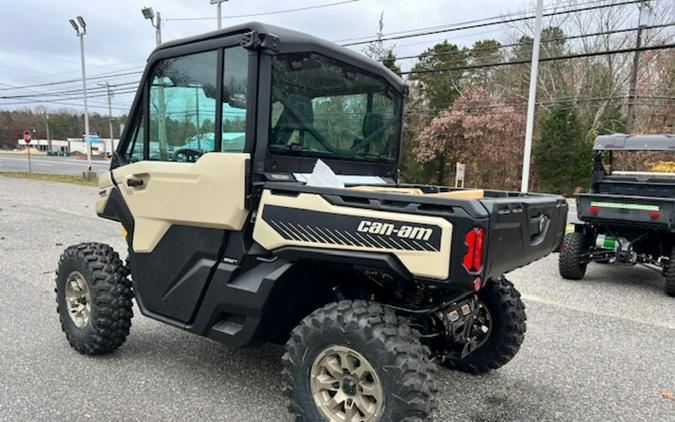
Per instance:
{"type": "Point", "coordinates": [596, 350]}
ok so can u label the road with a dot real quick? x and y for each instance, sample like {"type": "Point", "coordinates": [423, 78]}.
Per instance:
{"type": "Point", "coordinates": [47, 164]}
{"type": "Point", "coordinates": [600, 349]}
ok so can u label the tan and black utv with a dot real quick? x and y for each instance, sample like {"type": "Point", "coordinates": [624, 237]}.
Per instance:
{"type": "Point", "coordinates": [369, 284]}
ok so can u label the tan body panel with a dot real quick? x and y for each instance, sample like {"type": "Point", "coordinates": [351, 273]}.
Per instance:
{"type": "Point", "coordinates": [207, 193]}
{"type": "Point", "coordinates": [428, 264]}
{"type": "Point", "coordinates": [105, 184]}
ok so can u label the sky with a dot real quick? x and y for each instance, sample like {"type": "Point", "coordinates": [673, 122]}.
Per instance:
{"type": "Point", "coordinates": [38, 45]}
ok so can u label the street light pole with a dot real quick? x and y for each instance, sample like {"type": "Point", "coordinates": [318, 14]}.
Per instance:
{"type": "Point", "coordinates": [80, 30]}
{"type": "Point", "coordinates": [529, 128]}
{"type": "Point", "coordinates": [155, 20]}
{"type": "Point", "coordinates": [219, 4]}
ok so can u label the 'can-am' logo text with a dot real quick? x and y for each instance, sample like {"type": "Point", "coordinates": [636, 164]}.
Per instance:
{"type": "Point", "coordinates": [388, 229]}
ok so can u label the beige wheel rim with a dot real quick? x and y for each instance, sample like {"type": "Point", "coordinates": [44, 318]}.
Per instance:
{"type": "Point", "coordinates": [78, 299]}
{"type": "Point", "coordinates": [345, 386]}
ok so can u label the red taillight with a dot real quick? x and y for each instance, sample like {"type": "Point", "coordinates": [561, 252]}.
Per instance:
{"type": "Point", "coordinates": [474, 254]}
{"type": "Point", "coordinates": [594, 210]}
{"type": "Point", "coordinates": [655, 214]}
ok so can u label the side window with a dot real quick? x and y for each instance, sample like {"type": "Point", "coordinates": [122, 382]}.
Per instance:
{"type": "Point", "coordinates": [134, 149]}
{"type": "Point", "coordinates": [183, 107]}
{"type": "Point", "coordinates": [235, 80]}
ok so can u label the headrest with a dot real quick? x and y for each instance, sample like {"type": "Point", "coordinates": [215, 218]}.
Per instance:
{"type": "Point", "coordinates": [372, 122]}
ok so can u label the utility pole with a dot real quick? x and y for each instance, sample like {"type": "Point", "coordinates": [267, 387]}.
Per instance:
{"type": "Point", "coordinates": [632, 89]}
{"type": "Point", "coordinates": [529, 129]}
{"type": "Point", "coordinates": [80, 31]}
{"type": "Point", "coordinates": [110, 117]}
{"type": "Point", "coordinates": [218, 4]}
{"type": "Point", "coordinates": [49, 139]}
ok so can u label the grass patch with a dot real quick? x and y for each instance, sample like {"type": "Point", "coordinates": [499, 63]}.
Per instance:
{"type": "Point", "coordinates": [62, 178]}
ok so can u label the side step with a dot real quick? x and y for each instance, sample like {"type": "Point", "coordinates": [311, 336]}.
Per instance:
{"type": "Point", "coordinates": [233, 308]}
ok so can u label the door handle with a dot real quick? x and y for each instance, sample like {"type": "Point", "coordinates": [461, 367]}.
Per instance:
{"type": "Point", "coordinates": [133, 182]}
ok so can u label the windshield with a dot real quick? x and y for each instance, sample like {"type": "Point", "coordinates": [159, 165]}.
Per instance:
{"type": "Point", "coordinates": [324, 108]}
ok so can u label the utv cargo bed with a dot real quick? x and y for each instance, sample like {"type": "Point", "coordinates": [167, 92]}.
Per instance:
{"type": "Point", "coordinates": [519, 228]}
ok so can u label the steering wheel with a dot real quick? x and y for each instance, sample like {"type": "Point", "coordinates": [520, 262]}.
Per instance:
{"type": "Point", "coordinates": [187, 155]}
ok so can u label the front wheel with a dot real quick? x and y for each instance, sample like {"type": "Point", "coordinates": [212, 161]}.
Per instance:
{"type": "Point", "coordinates": [93, 296]}
{"type": "Point", "coordinates": [357, 361]}
{"type": "Point", "coordinates": [507, 320]}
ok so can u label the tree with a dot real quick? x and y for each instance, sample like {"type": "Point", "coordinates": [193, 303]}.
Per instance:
{"type": "Point", "coordinates": [440, 87]}
{"type": "Point", "coordinates": [562, 152]}
{"type": "Point", "coordinates": [479, 130]}
{"type": "Point", "coordinates": [485, 52]}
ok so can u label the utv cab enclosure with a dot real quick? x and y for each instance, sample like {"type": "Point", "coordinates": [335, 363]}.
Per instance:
{"type": "Point", "coordinates": [628, 216]}
{"type": "Point", "coordinates": [368, 284]}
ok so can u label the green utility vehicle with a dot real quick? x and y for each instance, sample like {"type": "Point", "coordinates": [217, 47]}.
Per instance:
{"type": "Point", "coordinates": [628, 217]}
{"type": "Point", "coordinates": [232, 235]}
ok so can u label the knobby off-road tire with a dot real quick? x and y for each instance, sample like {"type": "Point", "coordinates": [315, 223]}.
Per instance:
{"type": "Point", "coordinates": [669, 274]}
{"type": "Point", "coordinates": [104, 289]}
{"type": "Point", "coordinates": [384, 342]}
{"type": "Point", "coordinates": [569, 261]}
{"type": "Point", "coordinates": [507, 312]}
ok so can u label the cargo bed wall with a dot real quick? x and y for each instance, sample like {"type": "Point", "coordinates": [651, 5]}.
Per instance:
{"type": "Point", "coordinates": [630, 210]}
{"type": "Point", "coordinates": [522, 230]}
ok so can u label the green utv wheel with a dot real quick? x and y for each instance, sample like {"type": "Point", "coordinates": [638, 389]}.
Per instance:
{"type": "Point", "coordinates": [669, 274]}
{"type": "Point", "coordinates": [505, 335]}
{"type": "Point", "coordinates": [93, 296]}
{"type": "Point", "coordinates": [357, 361]}
{"type": "Point", "coordinates": [569, 261]}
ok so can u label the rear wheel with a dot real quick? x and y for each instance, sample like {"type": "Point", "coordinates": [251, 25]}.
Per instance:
{"type": "Point", "coordinates": [669, 273]}
{"type": "Point", "coordinates": [505, 325]}
{"type": "Point", "coordinates": [357, 361]}
{"type": "Point", "coordinates": [93, 296]}
{"type": "Point", "coordinates": [569, 261]}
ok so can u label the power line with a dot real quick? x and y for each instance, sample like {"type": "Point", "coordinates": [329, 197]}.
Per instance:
{"type": "Point", "coordinates": [68, 92]}
{"type": "Point", "coordinates": [570, 100]}
{"type": "Point", "coordinates": [65, 99]}
{"type": "Point", "coordinates": [273, 12]}
{"type": "Point", "coordinates": [484, 24]}
{"type": "Point", "coordinates": [545, 59]}
{"type": "Point", "coordinates": [99, 76]}
{"type": "Point", "coordinates": [548, 40]}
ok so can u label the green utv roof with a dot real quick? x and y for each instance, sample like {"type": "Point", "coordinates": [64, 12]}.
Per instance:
{"type": "Point", "coordinates": [620, 141]}
{"type": "Point", "coordinates": [291, 41]}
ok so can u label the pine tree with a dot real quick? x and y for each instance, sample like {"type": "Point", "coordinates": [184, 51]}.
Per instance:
{"type": "Point", "coordinates": [562, 152]}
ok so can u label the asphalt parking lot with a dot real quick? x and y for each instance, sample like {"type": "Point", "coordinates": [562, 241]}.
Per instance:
{"type": "Point", "coordinates": [596, 350]}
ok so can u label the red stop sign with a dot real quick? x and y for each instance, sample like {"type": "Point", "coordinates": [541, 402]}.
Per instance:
{"type": "Point", "coordinates": [27, 136]}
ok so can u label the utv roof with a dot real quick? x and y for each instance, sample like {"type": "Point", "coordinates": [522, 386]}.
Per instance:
{"type": "Point", "coordinates": [294, 41]}
{"type": "Point", "coordinates": [619, 141]}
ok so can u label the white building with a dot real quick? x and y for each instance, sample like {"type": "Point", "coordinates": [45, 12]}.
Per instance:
{"type": "Point", "coordinates": [72, 145]}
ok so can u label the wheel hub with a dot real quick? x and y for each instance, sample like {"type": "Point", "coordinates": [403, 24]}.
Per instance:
{"type": "Point", "coordinates": [345, 386]}
{"type": "Point", "coordinates": [78, 299]}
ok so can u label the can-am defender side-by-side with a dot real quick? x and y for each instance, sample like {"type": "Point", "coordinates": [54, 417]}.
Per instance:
{"type": "Point", "coordinates": [628, 216]}
{"type": "Point", "coordinates": [369, 285]}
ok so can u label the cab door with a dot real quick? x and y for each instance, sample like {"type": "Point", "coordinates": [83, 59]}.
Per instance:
{"type": "Point", "coordinates": [183, 178]}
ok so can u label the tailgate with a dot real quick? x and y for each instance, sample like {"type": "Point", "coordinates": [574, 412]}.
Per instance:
{"type": "Point", "coordinates": [522, 230]}
{"type": "Point", "coordinates": [625, 209]}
